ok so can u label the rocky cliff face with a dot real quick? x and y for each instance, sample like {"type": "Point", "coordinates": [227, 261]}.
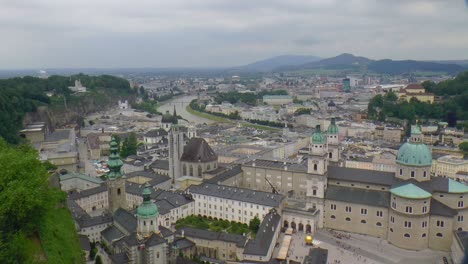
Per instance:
{"type": "Point", "coordinates": [71, 112]}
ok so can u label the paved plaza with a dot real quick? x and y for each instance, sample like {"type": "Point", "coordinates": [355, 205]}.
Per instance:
{"type": "Point", "coordinates": [357, 249]}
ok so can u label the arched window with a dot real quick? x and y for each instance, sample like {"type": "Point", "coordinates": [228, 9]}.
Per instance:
{"type": "Point", "coordinates": [191, 170]}
{"type": "Point", "coordinates": [379, 224]}
{"type": "Point", "coordinates": [199, 171]}
{"type": "Point", "coordinates": [407, 235]}
{"type": "Point", "coordinates": [330, 155]}
{"type": "Point", "coordinates": [144, 223]}
{"type": "Point", "coordinates": [363, 221]}
{"type": "Point", "coordinates": [348, 219]}
{"type": "Point", "coordinates": [439, 235]}
{"type": "Point", "coordinates": [315, 167]}
{"type": "Point", "coordinates": [424, 235]}
{"type": "Point", "coordinates": [332, 217]}
{"type": "Point", "coordinates": [208, 167]}
{"type": "Point", "coordinates": [151, 222]}
{"type": "Point", "coordinates": [118, 191]}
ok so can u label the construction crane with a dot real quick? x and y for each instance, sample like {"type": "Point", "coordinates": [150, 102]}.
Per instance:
{"type": "Point", "coordinates": [273, 189]}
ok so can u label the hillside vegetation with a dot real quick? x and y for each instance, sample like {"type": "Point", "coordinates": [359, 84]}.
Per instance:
{"type": "Point", "coordinates": [19, 96]}
{"type": "Point", "coordinates": [452, 107]}
{"type": "Point", "coordinates": [35, 224]}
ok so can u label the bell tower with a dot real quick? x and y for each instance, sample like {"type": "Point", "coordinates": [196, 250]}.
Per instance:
{"type": "Point", "coordinates": [333, 142]}
{"type": "Point", "coordinates": [147, 215]}
{"type": "Point", "coordinates": [317, 162]}
{"type": "Point", "coordinates": [115, 180]}
{"type": "Point", "coordinates": [176, 148]}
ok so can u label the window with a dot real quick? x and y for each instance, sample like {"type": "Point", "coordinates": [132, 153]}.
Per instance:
{"type": "Point", "coordinates": [332, 217]}
{"type": "Point", "coordinates": [424, 175]}
{"type": "Point", "coordinates": [401, 171]}
{"type": "Point", "coordinates": [392, 219]}
{"type": "Point", "coordinates": [407, 224]}
{"type": "Point", "coordinates": [407, 235]}
{"type": "Point", "coordinates": [460, 204]}
{"type": "Point", "coordinates": [118, 191]}
{"type": "Point", "coordinates": [314, 192]}
{"type": "Point", "coordinates": [440, 223]}
{"type": "Point", "coordinates": [391, 230]}
{"type": "Point", "coordinates": [424, 209]}
{"type": "Point", "coordinates": [409, 209]}
{"type": "Point", "coordinates": [157, 254]}
{"type": "Point", "coordinates": [424, 224]}
{"type": "Point", "coordinates": [144, 223]}
{"type": "Point", "coordinates": [379, 213]}
{"type": "Point", "coordinates": [412, 174]}
{"type": "Point", "coordinates": [363, 221]}
{"type": "Point", "coordinates": [394, 205]}
{"type": "Point", "coordinates": [315, 167]}
{"type": "Point", "coordinates": [379, 224]}
{"type": "Point", "coordinates": [348, 209]}
{"type": "Point", "coordinates": [151, 222]}
{"type": "Point", "coordinates": [363, 211]}
{"type": "Point", "coordinates": [330, 155]}
{"type": "Point", "coordinates": [348, 219]}
{"type": "Point", "coordinates": [333, 206]}
{"type": "Point", "coordinates": [439, 235]}
{"type": "Point", "coordinates": [460, 218]}
{"type": "Point", "coordinates": [423, 235]}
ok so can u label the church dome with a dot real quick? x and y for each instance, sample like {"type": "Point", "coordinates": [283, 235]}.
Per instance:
{"type": "Point", "coordinates": [147, 209]}
{"type": "Point", "coordinates": [318, 137]}
{"type": "Point", "coordinates": [414, 154]}
{"type": "Point", "coordinates": [332, 128]}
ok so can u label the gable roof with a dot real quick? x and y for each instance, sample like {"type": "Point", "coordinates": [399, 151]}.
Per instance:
{"type": "Point", "coordinates": [126, 220]}
{"type": "Point", "coordinates": [265, 235]}
{"type": "Point", "coordinates": [438, 208]}
{"type": "Point", "coordinates": [358, 196]}
{"type": "Point", "coordinates": [198, 150]}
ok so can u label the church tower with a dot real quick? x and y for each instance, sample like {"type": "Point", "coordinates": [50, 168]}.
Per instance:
{"type": "Point", "coordinates": [115, 180]}
{"type": "Point", "coordinates": [176, 148]}
{"type": "Point", "coordinates": [333, 142]}
{"type": "Point", "coordinates": [147, 215]}
{"type": "Point", "coordinates": [317, 163]}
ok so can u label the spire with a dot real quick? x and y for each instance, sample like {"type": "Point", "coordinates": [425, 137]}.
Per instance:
{"type": "Point", "coordinates": [175, 113]}
{"type": "Point", "coordinates": [114, 163]}
{"type": "Point", "coordinates": [317, 136]}
{"type": "Point", "coordinates": [332, 128]}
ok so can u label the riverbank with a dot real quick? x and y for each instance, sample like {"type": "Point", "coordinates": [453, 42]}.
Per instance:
{"type": "Point", "coordinates": [226, 120]}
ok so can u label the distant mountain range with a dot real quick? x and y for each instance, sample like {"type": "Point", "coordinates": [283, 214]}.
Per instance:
{"type": "Point", "coordinates": [279, 61]}
{"type": "Point", "coordinates": [351, 62]}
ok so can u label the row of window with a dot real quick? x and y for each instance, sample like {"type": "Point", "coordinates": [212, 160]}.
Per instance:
{"type": "Point", "coordinates": [352, 185]}
{"type": "Point", "coordinates": [348, 219]}
{"type": "Point", "coordinates": [413, 173]}
{"type": "Point", "coordinates": [409, 209]}
{"type": "Point", "coordinates": [348, 209]}
{"type": "Point", "coordinates": [423, 235]}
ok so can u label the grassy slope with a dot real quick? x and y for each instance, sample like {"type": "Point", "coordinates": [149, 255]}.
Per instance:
{"type": "Point", "coordinates": [59, 239]}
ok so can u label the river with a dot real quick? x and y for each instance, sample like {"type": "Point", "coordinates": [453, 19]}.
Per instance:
{"type": "Point", "coordinates": [180, 105]}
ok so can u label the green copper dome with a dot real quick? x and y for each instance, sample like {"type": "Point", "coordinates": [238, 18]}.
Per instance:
{"type": "Point", "coordinates": [318, 137]}
{"type": "Point", "coordinates": [414, 154]}
{"type": "Point", "coordinates": [147, 209]}
{"type": "Point", "coordinates": [332, 128]}
{"type": "Point", "coordinates": [415, 130]}
{"type": "Point", "coordinates": [115, 163]}
{"type": "Point", "coordinates": [410, 191]}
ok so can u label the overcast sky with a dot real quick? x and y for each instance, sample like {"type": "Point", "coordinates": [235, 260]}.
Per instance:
{"type": "Point", "coordinates": [200, 33]}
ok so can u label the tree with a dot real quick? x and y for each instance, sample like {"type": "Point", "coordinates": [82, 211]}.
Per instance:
{"type": "Point", "coordinates": [98, 260]}
{"type": "Point", "coordinates": [129, 146]}
{"type": "Point", "coordinates": [254, 224]}
{"type": "Point", "coordinates": [464, 147]}
{"type": "Point", "coordinates": [25, 196]}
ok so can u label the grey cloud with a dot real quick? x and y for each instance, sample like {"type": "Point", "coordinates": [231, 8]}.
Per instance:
{"type": "Point", "coordinates": [121, 33]}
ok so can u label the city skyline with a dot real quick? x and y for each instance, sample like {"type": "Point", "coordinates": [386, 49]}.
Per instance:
{"type": "Point", "coordinates": [81, 34]}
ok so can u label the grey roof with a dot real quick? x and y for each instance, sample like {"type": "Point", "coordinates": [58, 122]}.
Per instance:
{"type": "Point", "coordinates": [164, 207]}
{"type": "Point", "coordinates": [89, 221]}
{"type": "Point", "coordinates": [358, 196]}
{"type": "Point", "coordinates": [174, 198]}
{"type": "Point", "coordinates": [77, 195]}
{"type": "Point", "coordinates": [156, 178]}
{"type": "Point", "coordinates": [227, 174]}
{"type": "Point", "coordinates": [165, 232]}
{"type": "Point", "coordinates": [238, 194]}
{"type": "Point", "coordinates": [125, 219]}
{"type": "Point", "coordinates": [76, 210]}
{"type": "Point", "coordinates": [438, 208]}
{"type": "Point", "coordinates": [361, 175]}
{"type": "Point", "coordinates": [198, 150]}
{"type": "Point", "coordinates": [111, 233]}
{"type": "Point", "coordinates": [84, 243]}
{"type": "Point", "coordinates": [58, 135]}
{"type": "Point", "coordinates": [132, 240]}
{"type": "Point", "coordinates": [265, 235]}
{"type": "Point", "coordinates": [156, 133]}
{"type": "Point", "coordinates": [182, 260]}
{"type": "Point", "coordinates": [239, 240]}
{"type": "Point", "coordinates": [160, 164]}
{"type": "Point", "coordinates": [299, 167]}
{"type": "Point", "coordinates": [462, 238]}
{"type": "Point", "coordinates": [154, 240]}
{"type": "Point", "coordinates": [316, 256]}
{"type": "Point", "coordinates": [183, 243]}
{"type": "Point", "coordinates": [119, 258]}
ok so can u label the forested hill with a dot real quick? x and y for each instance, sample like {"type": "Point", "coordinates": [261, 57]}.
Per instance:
{"type": "Point", "coordinates": [453, 105]}
{"type": "Point", "coordinates": [19, 96]}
